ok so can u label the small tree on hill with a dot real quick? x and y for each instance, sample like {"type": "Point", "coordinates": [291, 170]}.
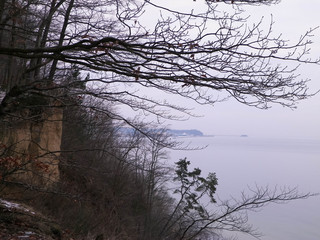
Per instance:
{"type": "Point", "coordinates": [198, 214]}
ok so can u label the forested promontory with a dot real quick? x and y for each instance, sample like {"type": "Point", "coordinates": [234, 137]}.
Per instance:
{"type": "Point", "coordinates": [75, 73]}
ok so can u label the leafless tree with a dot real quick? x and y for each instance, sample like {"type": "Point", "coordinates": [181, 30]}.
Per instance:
{"type": "Point", "coordinates": [194, 55]}
{"type": "Point", "coordinates": [89, 54]}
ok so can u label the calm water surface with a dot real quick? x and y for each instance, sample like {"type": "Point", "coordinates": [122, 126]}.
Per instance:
{"type": "Point", "coordinates": [240, 162]}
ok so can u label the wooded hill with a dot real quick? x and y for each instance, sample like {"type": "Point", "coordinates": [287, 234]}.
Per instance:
{"type": "Point", "coordinates": [74, 73]}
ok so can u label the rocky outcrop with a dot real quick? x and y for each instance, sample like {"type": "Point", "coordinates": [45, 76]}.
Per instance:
{"type": "Point", "coordinates": [32, 146]}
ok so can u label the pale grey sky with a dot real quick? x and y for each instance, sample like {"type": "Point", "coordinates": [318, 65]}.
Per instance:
{"type": "Point", "coordinates": [292, 18]}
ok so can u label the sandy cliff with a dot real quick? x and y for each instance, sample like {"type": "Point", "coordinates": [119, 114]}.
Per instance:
{"type": "Point", "coordinates": [33, 146]}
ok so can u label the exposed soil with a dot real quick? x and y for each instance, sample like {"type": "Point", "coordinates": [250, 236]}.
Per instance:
{"type": "Point", "coordinates": [18, 222]}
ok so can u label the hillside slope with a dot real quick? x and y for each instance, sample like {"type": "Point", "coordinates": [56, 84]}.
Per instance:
{"type": "Point", "coordinates": [19, 221]}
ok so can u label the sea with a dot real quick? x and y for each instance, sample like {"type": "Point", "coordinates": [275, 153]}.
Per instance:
{"type": "Point", "coordinates": [245, 162]}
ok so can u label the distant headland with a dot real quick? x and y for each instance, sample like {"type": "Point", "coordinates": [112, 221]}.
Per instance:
{"type": "Point", "coordinates": [185, 133]}
{"type": "Point", "coordinates": [181, 133]}
{"type": "Point", "coordinates": [197, 133]}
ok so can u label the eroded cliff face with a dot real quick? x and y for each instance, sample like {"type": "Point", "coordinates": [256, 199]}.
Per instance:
{"type": "Point", "coordinates": [33, 147]}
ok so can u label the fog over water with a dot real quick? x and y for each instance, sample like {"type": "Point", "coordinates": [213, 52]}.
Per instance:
{"type": "Point", "coordinates": [283, 147]}
{"type": "Point", "coordinates": [241, 162]}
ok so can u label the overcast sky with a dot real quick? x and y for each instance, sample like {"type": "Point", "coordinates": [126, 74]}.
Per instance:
{"type": "Point", "coordinates": [293, 18]}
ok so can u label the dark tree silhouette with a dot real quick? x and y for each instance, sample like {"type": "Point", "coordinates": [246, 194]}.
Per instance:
{"type": "Point", "coordinates": [196, 56]}
{"type": "Point", "coordinates": [76, 58]}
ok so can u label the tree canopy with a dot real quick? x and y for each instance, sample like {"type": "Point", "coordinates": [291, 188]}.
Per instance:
{"type": "Point", "coordinates": [84, 59]}
{"type": "Point", "coordinates": [199, 56]}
